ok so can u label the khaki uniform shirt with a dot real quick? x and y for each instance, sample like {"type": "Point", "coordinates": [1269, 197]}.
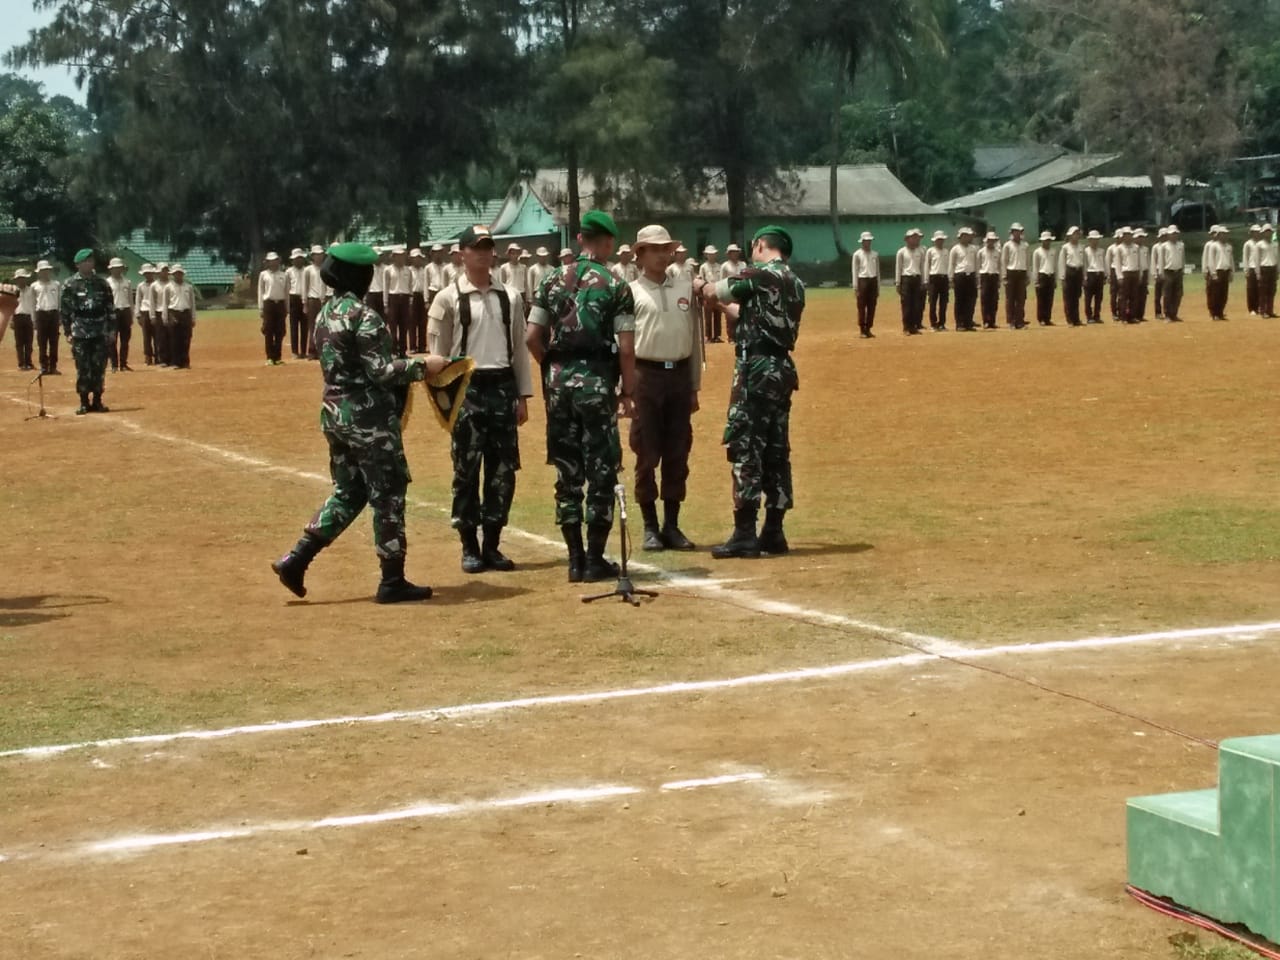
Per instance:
{"type": "Point", "coordinates": [936, 262]}
{"type": "Point", "coordinates": [294, 276]}
{"type": "Point", "coordinates": [121, 292]}
{"type": "Point", "coordinates": [1095, 260]}
{"type": "Point", "coordinates": [515, 275]}
{"type": "Point", "coordinates": [1044, 262]}
{"type": "Point", "coordinates": [272, 285]}
{"type": "Point", "coordinates": [48, 294]}
{"type": "Point", "coordinates": [908, 263]}
{"type": "Point", "coordinates": [963, 259]}
{"type": "Point", "coordinates": [667, 327]}
{"type": "Point", "coordinates": [1014, 256]}
{"type": "Point", "coordinates": [487, 342]}
{"type": "Point", "coordinates": [866, 265]}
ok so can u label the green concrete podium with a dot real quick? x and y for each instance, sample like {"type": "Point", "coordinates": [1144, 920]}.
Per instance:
{"type": "Point", "coordinates": [1216, 852]}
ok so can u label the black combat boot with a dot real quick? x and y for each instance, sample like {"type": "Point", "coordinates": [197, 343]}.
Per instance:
{"type": "Point", "coordinates": [394, 588]}
{"type": "Point", "coordinates": [742, 543]}
{"type": "Point", "coordinates": [652, 535]}
{"type": "Point", "coordinates": [597, 567]}
{"type": "Point", "coordinates": [772, 539]}
{"type": "Point", "coordinates": [671, 534]}
{"type": "Point", "coordinates": [471, 559]}
{"type": "Point", "coordinates": [84, 405]}
{"type": "Point", "coordinates": [98, 406]}
{"type": "Point", "coordinates": [292, 567]}
{"type": "Point", "coordinates": [577, 555]}
{"type": "Point", "coordinates": [494, 558]}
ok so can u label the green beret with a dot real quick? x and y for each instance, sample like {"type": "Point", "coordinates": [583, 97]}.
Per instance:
{"type": "Point", "coordinates": [359, 254]}
{"type": "Point", "coordinates": [597, 221]}
{"type": "Point", "coordinates": [784, 239]}
{"type": "Point", "coordinates": [83, 255]}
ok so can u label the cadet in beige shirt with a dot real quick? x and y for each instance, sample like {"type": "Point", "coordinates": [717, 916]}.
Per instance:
{"type": "Point", "coordinates": [472, 317]}
{"type": "Point", "coordinates": [962, 265]}
{"type": "Point", "coordinates": [1071, 263]}
{"type": "Point", "coordinates": [1174, 263]}
{"type": "Point", "coordinates": [712, 312]}
{"type": "Point", "coordinates": [908, 277]}
{"type": "Point", "coordinates": [273, 307]}
{"type": "Point", "coordinates": [180, 316]}
{"type": "Point", "coordinates": [1014, 263]}
{"type": "Point", "coordinates": [668, 378]}
{"type": "Point", "coordinates": [866, 284]}
{"type": "Point", "coordinates": [937, 276]}
{"type": "Point", "coordinates": [122, 301]}
{"type": "Point", "coordinates": [989, 280]}
{"type": "Point", "coordinates": [1044, 264]}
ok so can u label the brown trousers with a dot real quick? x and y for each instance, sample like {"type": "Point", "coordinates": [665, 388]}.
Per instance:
{"type": "Point", "coordinates": [148, 337]}
{"type": "Point", "coordinates": [1015, 294]}
{"type": "Point", "coordinates": [1130, 294]}
{"type": "Point", "coordinates": [1046, 285]}
{"type": "Point", "coordinates": [180, 338]}
{"type": "Point", "coordinates": [911, 294]}
{"type": "Point", "coordinates": [275, 315]}
{"type": "Point", "coordinates": [712, 320]}
{"type": "Point", "coordinates": [1267, 291]}
{"type": "Point", "coordinates": [1217, 290]}
{"type": "Point", "coordinates": [966, 299]}
{"type": "Point", "coordinates": [1251, 298]}
{"type": "Point", "coordinates": [1095, 285]}
{"type": "Point", "coordinates": [307, 334]}
{"type": "Point", "coordinates": [868, 296]}
{"type": "Point", "coordinates": [662, 430]}
{"type": "Point", "coordinates": [418, 324]}
{"type": "Point", "coordinates": [1072, 290]}
{"type": "Point", "coordinates": [939, 297]}
{"type": "Point", "coordinates": [1172, 293]}
{"type": "Point", "coordinates": [119, 350]}
{"type": "Point", "coordinates": [989, 286]}
{"type": "Point", "coordinates": [47, 333]}
{"type": "Point", "coordinates": [398, 308]}
{"type": "Point", "coordinates": [297, 323]}
{"type": "Point", "coordinates": [24, 335]}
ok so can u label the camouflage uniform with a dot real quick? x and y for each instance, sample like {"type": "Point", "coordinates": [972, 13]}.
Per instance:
{"type": "Point", "coordinates": [360, 417]}
{"type": "Point", "coordinates": [757, 434]}
{"type": "Point", "coordinates": [89, 322]}
{"type": "Point", "coordinates": [585, 307]}
{"type": "Point", "coordinates": [486, 433]}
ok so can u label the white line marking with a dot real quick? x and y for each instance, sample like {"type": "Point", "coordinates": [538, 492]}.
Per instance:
{"type": "Point", "coordinates": [712, 781]}
{"type": "Point", "coordinates": [708, 586]}
{"type": "Point", "coordinates": [668, 689]}
{"type": "Point", "coordinates": [141, 843]}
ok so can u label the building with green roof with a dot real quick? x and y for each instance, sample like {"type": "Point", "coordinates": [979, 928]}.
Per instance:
{"type": "Point", "coordinates": [205, 270]}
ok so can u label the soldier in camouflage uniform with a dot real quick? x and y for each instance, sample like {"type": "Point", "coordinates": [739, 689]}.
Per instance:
{"type": "Point", "coordinates": [89, 322]}
{"type": "Point", "coordinates": [360, 417]}
{"type": "Point", "coordinates": [582, 331]}
{"type": "Point", "coordinates": [483, 320]}
{"type": "Point", "coordinates": [769, 300]}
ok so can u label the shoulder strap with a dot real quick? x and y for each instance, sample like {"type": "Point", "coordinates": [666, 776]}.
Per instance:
{"type": "Point", "coordinates": [505, 300]}
{"type": "Point", "coordinates": [464, 317]}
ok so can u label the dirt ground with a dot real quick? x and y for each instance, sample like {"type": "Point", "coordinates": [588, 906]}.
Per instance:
{"type": "Point", "coordinates": [956, 493]}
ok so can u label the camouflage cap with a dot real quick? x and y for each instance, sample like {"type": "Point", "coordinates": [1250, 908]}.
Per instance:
{"type": "Point", "coordinates": [783, 239]}
{"type": "Point", "coordinates": [82, 255]}
{"type": "Point", "coordinates": [597, 221]}
{"type": "Point", "coordinates": [358, 254]}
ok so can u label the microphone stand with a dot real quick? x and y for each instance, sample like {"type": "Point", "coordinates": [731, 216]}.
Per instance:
{"type": "Point", "coordinates": [43, 414]}
{"type": "Point", "coordinates": [624, 589]}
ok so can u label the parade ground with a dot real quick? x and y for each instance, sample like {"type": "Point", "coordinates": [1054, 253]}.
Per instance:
{"type": "Point", "coordinates": [1032, 573]}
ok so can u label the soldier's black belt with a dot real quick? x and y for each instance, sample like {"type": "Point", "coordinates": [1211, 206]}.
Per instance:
{"type": "Point", "coordinates": [765, 350]}
{"type": "Point", "coordinates": [489, 377]}
{"type": "Point", "coordinates": [662, 364]}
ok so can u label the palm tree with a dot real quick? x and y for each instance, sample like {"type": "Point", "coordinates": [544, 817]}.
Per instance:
{"type": "Point", "coordinates": [897, 34]}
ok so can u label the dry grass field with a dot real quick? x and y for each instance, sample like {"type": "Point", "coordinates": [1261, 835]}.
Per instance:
{"type": "Point", "coordinates": [800, 757]}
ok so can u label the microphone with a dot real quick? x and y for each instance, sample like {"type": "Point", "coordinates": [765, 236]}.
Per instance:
{"type": "Point", "coordinates": [620, 491]}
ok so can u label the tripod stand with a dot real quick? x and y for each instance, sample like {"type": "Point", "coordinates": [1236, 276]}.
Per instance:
{"type": "Point", "coordinates": [624, 589]}
{"type": "Point", "coordinates": [43, 414]}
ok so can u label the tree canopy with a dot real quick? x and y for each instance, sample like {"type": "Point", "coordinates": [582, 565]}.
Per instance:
{"type": "Point", "coordinates": [250, 124]}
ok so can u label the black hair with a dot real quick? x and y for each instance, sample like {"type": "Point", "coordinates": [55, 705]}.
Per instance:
{"type": "Point", "coordinates": [778, 241]}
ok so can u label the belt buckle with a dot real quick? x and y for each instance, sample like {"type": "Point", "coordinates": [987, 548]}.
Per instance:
{"type": "Point", "coordinates": [668, 365]}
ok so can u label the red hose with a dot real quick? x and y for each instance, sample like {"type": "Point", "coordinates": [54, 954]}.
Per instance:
{"type": "Point", "coordinates": [1168, 909]}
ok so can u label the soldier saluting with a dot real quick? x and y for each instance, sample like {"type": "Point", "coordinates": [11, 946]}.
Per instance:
{"type": "Point", "coordinates": [88, 319]}
{"type": "Point", "coordinates": [768, 300]}
{"type": "Point", "coordinates": [360, 417]}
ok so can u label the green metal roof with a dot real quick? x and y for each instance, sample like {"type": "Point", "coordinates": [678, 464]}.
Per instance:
{"type": "Point", "coordinates": [441, 221]}
{"type": "Point", "coordinates": [202, 266]}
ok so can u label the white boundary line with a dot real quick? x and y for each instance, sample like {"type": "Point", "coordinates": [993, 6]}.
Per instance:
{"type": "Point", "coordinates": [147, 842]}
{"type": "Point", "coordinates": [709, 586]}
{"type": "Point", "coordinates": [460, 711]}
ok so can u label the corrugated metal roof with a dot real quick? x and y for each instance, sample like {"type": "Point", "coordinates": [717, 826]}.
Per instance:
{"type": "Point", "coordinates": [202, 266]}
{"type": "Point", "coordinates": [1056, 172]}
{"type": "Point", "coordinates": [441, 221]}
{"type": "Point", "coordinates": [1003, 161]}
{"type": "Point", "coordinates": [868, 190]}
{"type": "Point", "coordinates": [1104, 184]}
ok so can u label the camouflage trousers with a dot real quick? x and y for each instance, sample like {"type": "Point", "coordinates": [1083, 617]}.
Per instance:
{"type": "Point", "coordinates": [374, 474]}
{"type": "Point", "coordinates": [584, 447]}
{"type": "Point", "coordinates": [757, 436]}
{"type": "Point", "coordinates": [90, 355]}
{"type": "Point", "coordinates": [486, 437]}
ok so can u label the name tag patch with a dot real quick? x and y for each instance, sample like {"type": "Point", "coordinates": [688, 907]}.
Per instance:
{"type": "Point", "coordinates": [683, 304]}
